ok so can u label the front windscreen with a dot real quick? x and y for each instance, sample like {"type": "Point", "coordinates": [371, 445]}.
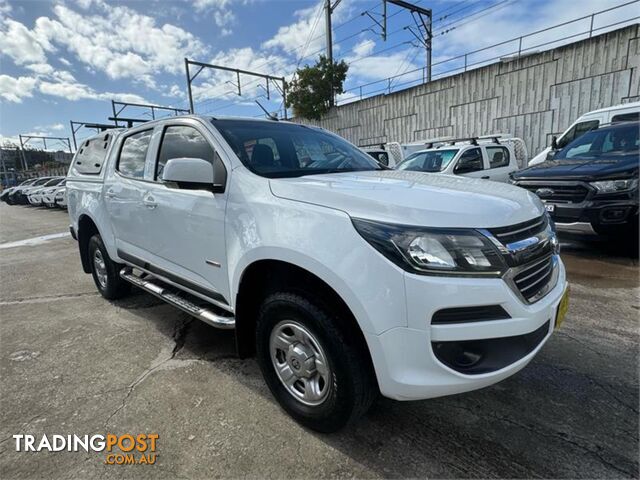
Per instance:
{"type": "Point", "coordinates": [275, 150]}
{"type": "Point", "coordinates": [613, 143]}
{"type": "Point", "coordinates": [52, 182]}
{"type": "Point", "coordinates": [431, 161]}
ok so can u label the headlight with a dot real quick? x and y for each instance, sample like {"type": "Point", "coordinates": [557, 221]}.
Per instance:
{"type": "Point", "coordinates": [615, 186]}
{"type": "Point", "coordinates": [433, 251]}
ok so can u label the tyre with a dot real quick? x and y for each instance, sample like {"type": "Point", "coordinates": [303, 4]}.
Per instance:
{"type": "Point", "coordinates": [316, 375]}
{"type": "Point", "coordinates": [105, 272]}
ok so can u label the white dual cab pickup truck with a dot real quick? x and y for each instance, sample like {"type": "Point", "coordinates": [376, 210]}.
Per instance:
{"type": "Point", "coordinates": [343, 278]}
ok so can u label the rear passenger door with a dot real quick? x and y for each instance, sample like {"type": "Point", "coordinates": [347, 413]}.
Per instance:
{"type": "Point", "coordinates": [124, 188]}
{"type": "Point", "coordinates": [500, 163]}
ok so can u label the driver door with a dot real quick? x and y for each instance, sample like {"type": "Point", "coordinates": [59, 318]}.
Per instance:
{"type": "Point", "coordinates": [471, 164]}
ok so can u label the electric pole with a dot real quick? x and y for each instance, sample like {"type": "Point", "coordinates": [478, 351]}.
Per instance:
{"type": "Point", "coordinates": [328, 10]}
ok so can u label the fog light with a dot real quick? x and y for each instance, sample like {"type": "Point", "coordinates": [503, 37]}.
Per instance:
{"type": "Point", "coordinates": [613, 214]}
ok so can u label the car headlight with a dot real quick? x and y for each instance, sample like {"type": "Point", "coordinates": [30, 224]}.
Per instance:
{"type": "Point", "coordinates": [615, 186]}
{"type": "Point", "coordinates": [434, 251]}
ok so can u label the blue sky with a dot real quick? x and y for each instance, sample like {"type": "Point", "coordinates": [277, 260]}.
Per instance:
{"type": "Point", "coordinates": [65, 60]}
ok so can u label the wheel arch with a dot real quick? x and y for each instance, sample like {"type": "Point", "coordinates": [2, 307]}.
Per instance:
{"type": "Point", "coordinates": [264, 276]}
{"type": "Point", "coordinates": [87, 228]}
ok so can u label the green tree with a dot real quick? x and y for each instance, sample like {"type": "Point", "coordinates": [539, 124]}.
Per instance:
{"type": "Point", "coordinates": [311, 94]}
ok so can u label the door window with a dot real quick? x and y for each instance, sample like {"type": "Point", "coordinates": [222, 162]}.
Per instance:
{"type": "Point", "coordinates": [133, 154]}
{"type": "Point", "coordinates": [498, 157]}
{"type": "Point", "coordinates": [91, 155]}
{"type": "Point", "coordinates": [577, 131]}
{"type": "Point", "coordinates": [626, 117]}
{"type": "Point", "coordinates": [469, 161]}
{"type": "Point", "coordinates": [181, 141]}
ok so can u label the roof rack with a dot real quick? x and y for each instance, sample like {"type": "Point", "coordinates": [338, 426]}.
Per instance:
{"type": "Point", "coordinates": [453, 141]}
{"type": "Point", "coordinates": [474, 140]}
{"type": "Point", "coordinates": [129, 121]}
{"type": "Point", "coordinates": [98, 127]}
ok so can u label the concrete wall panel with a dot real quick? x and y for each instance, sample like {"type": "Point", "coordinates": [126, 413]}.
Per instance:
{"type": "Point", "coordinates": [533, 97]}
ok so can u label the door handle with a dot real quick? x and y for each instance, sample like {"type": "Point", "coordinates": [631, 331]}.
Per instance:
{"type": "Point", "coordinates": [149, 202]}
{"type": "Point", "coordinates": [486, 177]}
{"type": "Point", "coordinates": [110, 194]}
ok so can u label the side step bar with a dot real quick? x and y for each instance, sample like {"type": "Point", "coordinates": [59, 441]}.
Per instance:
{"type": "Point", "coordinates": [175, 299]}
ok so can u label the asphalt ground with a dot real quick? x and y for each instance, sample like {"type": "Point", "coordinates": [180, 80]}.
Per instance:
{"type": "Point", "coordinates": [73, 363]}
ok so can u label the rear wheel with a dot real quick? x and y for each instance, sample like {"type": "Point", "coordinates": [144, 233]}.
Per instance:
{"type": "Point", "coordinates": [315, 374]}
{"type": "Point", "coordinates": [105, 272]}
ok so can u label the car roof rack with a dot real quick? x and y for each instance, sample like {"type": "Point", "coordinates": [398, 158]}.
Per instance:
{"type": "Point", "coordinates": [129, 121]}
{"type": "Point", "coordinates": [453, 141]}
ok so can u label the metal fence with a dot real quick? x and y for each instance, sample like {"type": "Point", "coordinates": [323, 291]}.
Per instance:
{"type": "Point", "coordinates": [511, 49]}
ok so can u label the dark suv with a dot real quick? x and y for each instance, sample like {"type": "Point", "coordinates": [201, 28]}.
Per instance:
{"type": "Point", "coordinates": [593, 181]}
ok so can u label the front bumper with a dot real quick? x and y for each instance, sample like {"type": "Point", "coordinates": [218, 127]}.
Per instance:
{"type": "Point", "coordinates": [598, 210]}
{"type": "Point", "coordinates": [406, 364]}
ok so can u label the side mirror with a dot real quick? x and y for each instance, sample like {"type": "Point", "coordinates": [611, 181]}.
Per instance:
{"type": "Point", "coordinates": [190, 173]}
{"type": "Point", "coordinates": [554, 143]}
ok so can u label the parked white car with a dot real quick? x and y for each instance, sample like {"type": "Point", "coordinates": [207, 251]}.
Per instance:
{"type": "Point", "coordinates": [344, 278]}
{"type": "Point", "coordinates": [589, 121]}
{"type": "Point", "coordinates": [470, 158]}
{"type": "Point", "coordinates": [34, 195]}
{"type": "Point", "coordinates": [61, 197]}
{"type": "Point", "coordinates": [49, 194]}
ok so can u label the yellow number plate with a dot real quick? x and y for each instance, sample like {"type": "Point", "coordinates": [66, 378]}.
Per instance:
{"type": "Point", "coordinates": [562, 308]}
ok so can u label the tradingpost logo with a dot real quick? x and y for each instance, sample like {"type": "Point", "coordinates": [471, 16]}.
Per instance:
{"type": "Point", "coordinates": [127, 449]}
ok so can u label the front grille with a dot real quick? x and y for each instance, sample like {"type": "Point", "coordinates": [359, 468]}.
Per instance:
{"type": "Point", "coordinates": [534, 277]}
{"type": "Point", "coordinates": [519, 231]}
{"type": "Point", "coordinates": [566, 193]}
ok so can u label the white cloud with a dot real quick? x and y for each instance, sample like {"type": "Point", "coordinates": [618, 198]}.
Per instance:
{"type": "Point", "coordinates": [201, 5]}
{"type": "Point", "coordinates": [19, 43]}
{"type": "Point", "coordinates": [15, 89]}
{"type": "Point", "coordinates": [176, 92]}
{"type": "Point", "coordinates": [64, 61]}
{"type": "Point", "coordinates": [224, 19]}
{"type": "Point", "coordinates": [307, 31]}
{"type": "Point", "coordinates": [80, 91]}
{"type": "Point", "coordinates": [222, 14]}
{"type": "Point", "coordinates": [40, 68]}
{"type": "Point", "coordinates": [377, 67]}
{"type": "Point", "coordinates": [5, 8]}
{"type": "Point", "coordinates": [118, 41]}
{"type": "Point", "coordinates": [365, 47]}
{"type": "Point", "coordinates": [49, 128]}
{"type": "Point", "coordinates": [306, 35]}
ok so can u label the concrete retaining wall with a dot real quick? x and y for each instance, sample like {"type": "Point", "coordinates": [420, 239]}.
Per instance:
{"type": "Point", "coordinates": [533, 97]}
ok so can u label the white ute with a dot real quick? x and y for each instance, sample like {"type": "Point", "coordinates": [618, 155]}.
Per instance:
{"type": "Point", "coordinates": [343, 278]}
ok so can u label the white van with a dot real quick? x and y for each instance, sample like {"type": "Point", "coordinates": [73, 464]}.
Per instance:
{"type": "Point", "coordinates": [618, 113]}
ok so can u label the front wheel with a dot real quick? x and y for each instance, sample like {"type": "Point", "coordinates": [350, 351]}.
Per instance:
{"type": "Point", "coordinates": [319, 378]}
{"type": "Point", "coordinates": [106, 272]}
